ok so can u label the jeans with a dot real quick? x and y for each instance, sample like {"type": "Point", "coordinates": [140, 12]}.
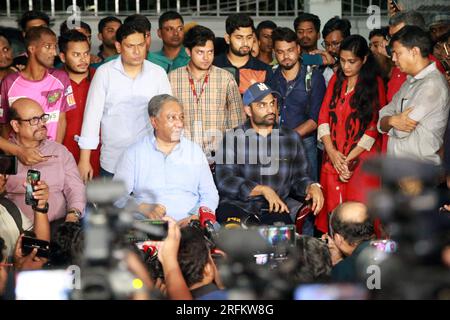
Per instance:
{"type": "Point", "coordinates": [310, 144]}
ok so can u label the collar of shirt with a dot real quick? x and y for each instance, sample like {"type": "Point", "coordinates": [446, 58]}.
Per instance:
{"type": "Point", "coordinates": [251, 63]}
{"type": "Point", "coordinates": [422, 74]}
{"type": "Point", "coordinates": [282, 80]}
{"type": "Point", "coordinates": [85, 81]}
{"type": "Point", "coordinates": [152, 140]}
{"type": "Point", "coordinates": [118, 65]}
{"type": "Point", "coordinates": [42, 146]}
{"type": "Point", "coordinates": [181, 55]}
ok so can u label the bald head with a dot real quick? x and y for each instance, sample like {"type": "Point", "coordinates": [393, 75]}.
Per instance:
{"type": "Point", "coordinates": [352, 222]}
{"type": "Point", "coordinates": [28, 120]}
{"type": "Point", "coordinates": [352, 212]}
{"type": "Point", "coordinates": [23, 106]}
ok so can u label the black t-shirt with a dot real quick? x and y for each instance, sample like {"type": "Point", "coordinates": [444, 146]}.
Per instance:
{"type": "Point", "coordinates": [253, 71]}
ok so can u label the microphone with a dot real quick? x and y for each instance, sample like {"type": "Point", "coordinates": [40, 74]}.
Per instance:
{"type": "Point", "coordinates": [150, 250]}
{"type": "Point", "coordinates": [205, 214]}
{"type": "Point", "coordinates": [208, 221]}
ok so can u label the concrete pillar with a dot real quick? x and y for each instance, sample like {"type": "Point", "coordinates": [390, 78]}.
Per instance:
{"type": "Point", "coordinates": [325, 9]}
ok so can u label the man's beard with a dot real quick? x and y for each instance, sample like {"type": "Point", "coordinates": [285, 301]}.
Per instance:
{"type": "Point", "coordinates": [69, 68]}
{"type": "Point", "coordinates": [238, 53]}
{"type": "Point", "coordinates": [307, 47]}
{"type": "Point", "coordinates": [39, 135]}
{"type": "Point", "coordinates": [287, 67]}
{"type": "Point", "coordinates": [110, 44]}
{"type": "Point", "coordinates": [264, 122]}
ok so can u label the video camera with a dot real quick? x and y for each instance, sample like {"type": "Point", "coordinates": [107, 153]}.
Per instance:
{"type": "Point", "coordinates": [408, 205]}
{"type": "Point", "coordinates": [107, 243]}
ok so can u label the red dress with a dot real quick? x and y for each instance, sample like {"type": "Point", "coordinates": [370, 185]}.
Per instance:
{"type": "Point", "coordinates": [346, 132]}
{"type": "Point", "coordinates": [74, 119]}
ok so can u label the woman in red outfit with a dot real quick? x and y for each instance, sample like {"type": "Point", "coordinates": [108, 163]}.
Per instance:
{"type": "Point", "coordinates": [347, 127]}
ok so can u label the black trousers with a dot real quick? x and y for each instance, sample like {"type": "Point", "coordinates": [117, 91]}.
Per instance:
{"type": "Point", "coordinates": [226, 212]}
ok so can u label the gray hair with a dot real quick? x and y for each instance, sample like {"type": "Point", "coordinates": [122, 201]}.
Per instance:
{"type": "Point", "coordinates": [156, 103]}
{"type": "Point", "coordinates": [409, 18]}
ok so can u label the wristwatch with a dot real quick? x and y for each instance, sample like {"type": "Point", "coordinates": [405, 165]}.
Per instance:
{"type": "Point", "coordinates": [76, 212]}
{"type": "Point", "coordinates": [41, 210]}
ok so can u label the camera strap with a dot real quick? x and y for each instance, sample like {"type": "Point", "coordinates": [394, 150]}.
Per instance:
{"type": "Point", "coordinates": [13, 211]}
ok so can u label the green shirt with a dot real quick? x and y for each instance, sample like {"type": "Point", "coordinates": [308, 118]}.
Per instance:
{"type": "Point", "coordinates": [160, 59]}
{"type": "Point", "coordinates": [168, 65]}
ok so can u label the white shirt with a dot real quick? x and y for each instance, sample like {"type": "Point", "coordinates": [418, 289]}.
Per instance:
{"type": "Point", "coordinates": [328, 74]}
{"type": "Point", "coordinates": [181, 181]}
{"type": "Point", "coordinates": [428, 95]}
{"type": "Point", "coordinates": [9, 231]}
{"type": "Point", "coordinates": [119, 103]}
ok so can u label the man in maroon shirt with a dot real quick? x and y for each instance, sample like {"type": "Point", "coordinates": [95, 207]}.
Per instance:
{"type": "Point", "coordinates": [75, 54]}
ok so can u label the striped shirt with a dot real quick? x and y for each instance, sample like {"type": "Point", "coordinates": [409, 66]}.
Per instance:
{"type": "Point", "coordinates": [219, 106]}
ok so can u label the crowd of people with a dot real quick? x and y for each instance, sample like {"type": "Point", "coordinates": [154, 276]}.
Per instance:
{"type": "Point", "coordinates": [255, 125]}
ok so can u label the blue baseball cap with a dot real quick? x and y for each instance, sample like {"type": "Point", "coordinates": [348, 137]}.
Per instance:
{"type": "Point", "coordinates": [256, 92]}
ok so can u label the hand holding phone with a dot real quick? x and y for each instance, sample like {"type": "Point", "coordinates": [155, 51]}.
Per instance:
{"type": "Point", "coordinates": [42, 246]}
{"type": "Point", "coordinates": [312, 59]}
{"type": "Point", "coordinates": [394, 6]}
{"type": "Point", "coordinates": [33, 176]}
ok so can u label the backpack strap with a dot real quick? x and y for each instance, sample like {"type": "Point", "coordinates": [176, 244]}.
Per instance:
{"type": "Point", "coordinates": [308, 86]}
{"type": "Point", "coordinates": [13, 211]}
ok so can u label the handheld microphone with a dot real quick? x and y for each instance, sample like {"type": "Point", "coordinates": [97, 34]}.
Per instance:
{"type": "Point", "coordinates": [149, 250]}
{"type": "Point", "coordinates": [208, 221]}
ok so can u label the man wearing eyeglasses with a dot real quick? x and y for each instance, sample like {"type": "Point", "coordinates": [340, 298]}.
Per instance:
{"type": "Point", "coordinates": [261, 168]}
{"type": "Point", "coordinates": [165, 173]}
{"type": "Point", "coordinates": [333, 33]}
{"type": "Point", "coordinates": [67, 195]}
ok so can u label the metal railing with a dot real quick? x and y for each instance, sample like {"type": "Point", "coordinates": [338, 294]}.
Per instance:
{"type": "Point", "coordinates": [155, 7]}
{"type": "Point", "coordinates": [274, 8]}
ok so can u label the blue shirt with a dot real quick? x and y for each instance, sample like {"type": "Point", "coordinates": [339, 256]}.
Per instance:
{"type": "Point", "coordinates": [181, 181]}
{"type": "Point", "coordinates": [294, 107]}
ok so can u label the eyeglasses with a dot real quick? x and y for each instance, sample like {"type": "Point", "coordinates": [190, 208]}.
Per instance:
{"type": "Point", "coordinates": [35, 120]}
{"type": "Point", "coordinates": [334, 45]}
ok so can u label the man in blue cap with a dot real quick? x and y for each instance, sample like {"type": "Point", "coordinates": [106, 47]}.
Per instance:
{"type": "Point", "coordinates": [262, 169]}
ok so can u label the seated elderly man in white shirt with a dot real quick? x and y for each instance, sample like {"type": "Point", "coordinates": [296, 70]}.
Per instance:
{"type": "Point", "coordinates": [165, 173]}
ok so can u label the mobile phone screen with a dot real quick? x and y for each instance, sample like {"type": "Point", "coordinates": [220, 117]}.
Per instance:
{"type": "Point", "coordinates": [312, 59]}
{"type": "Point", "coordinates": [331, 292]}
{"type": "Point", "coordinates": [276, 235]}
{"type": "Point", "coordinates": [44, 285]}
{"type": "Point", "coordinates": [33, 177]}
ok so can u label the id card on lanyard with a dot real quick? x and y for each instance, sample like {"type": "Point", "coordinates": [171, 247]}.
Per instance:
{"type": "Point", "coordinates": [192, 85]}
